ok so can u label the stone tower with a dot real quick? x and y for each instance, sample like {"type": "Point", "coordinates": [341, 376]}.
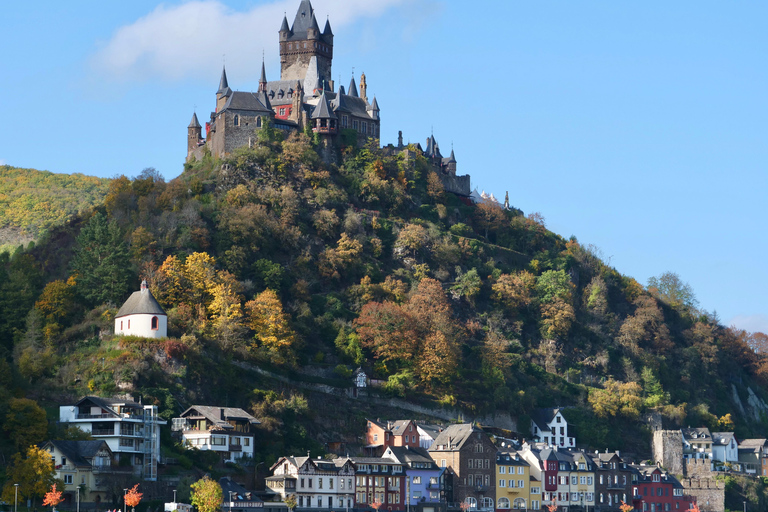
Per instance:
{"type": "Point", "coordinates": [668, 450]}
{"type": "Point", "coordinates": [194, 134]}
{"type": "Point", "coordinates": [301, 43]}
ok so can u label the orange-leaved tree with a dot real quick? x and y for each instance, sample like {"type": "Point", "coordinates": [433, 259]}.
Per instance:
{"type": "Point", "coordinates": [52, 497]}
{"type": "Point", "coordinates": [133, 496]}
{"type": "Point", "coordinates": [625, 508]}
{"type": "Point", "coordinates": [552, 507]}
{"type": "Point", "coordinates": [376, 505]}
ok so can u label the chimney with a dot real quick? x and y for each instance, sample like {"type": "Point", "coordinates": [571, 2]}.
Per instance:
{"type": "Point", "coordinates": [144, 285]}
{"type": "Point", "coordinates": [221, 413]}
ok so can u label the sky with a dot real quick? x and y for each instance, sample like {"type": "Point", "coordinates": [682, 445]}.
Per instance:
{"type": "Point", "coordinates": [638, 127]}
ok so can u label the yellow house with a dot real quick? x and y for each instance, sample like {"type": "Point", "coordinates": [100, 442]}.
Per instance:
{"type": "Point", "coordinates": [83, 465]}
{"type": "Point", "coordinates": [513, 483]}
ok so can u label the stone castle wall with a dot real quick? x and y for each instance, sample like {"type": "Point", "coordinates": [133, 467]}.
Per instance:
{"type": "Point", "coordinates": [668, 450]}
{"type": "Point", "coordinates": [709, 493]}
{"type": "Point", "coordinates": [698, 468]}
{"type": "Point", "coordinates": [456, 184]}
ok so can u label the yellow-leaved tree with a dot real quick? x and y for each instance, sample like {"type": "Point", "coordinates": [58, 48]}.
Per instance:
{"type": "Point", "coordinates": [34, 474]}
{"type": "Point", "coordinates": [272, 330]}
{"type": "Point", "coordinates": [206, 495]}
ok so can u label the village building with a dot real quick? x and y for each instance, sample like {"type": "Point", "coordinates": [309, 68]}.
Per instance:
{"type": "Point", "coordinates": [380, 435]}
{"type": "Point", "coordinates": [613, 481]}
{"type": "Point", "coordinates": [514, 485]}
{"type": "Point", "coordinates": [130, 429]}
{"type": "Point", "coordinates": [316, 483]}
{"type": "Point", "coordinates": [549, 426]}
{"type": "Point", "coordinates": [82, 465]}
{"type": "Point", "coordinates": [229, 431]}
{"type": "Point", "coordinates": [428, 487]}
{"type": "Point", "coordinates": [655, 490]}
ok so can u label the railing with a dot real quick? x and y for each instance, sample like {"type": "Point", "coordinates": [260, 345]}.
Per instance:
{"type": "Point", "coordinates": [103, 432]}
{"type": "Point", "coordinates": [480, 487]}
{"type": "Point", "coordinates": [93, 416]}
{"type": "Point", "coordinates": [235, 448]}
{"type": "Point", "coordinates": [66, 467]}
{"type": "Point", "coordinates": [612, 485]}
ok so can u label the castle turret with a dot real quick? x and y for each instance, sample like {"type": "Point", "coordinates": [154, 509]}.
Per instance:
{"type": "Point", "coordinates": [327, 32]}
{"type": "Point", "coordinates": [363, 88]}
{"type": "Point", "coordinates": [194, 134]}
{"type": "Point", "coordinates": [313, 32]}
{"type": "Point", "coordinates": [224, 91]}
{"type": "Point", "coordinates": [263, 79]}
{"type": "Point", "coordinates": [285, 32]}
{"type": "Point", "coordinates": [352, 91]}
{"type": "Point", "coordinates": [373, 109]}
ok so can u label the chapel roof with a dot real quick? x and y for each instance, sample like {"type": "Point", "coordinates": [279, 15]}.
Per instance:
{"type": "Point", "coordinates": [141, 303]}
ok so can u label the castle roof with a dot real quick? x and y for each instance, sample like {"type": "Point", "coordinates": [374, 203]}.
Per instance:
{"type": "Point", "coordinates": [263, 78]}
{"type": "Point", "coordinates": [246, 101]}
{"type": "Point", "coordinates": [375, 105]}
{"type": "Point", "coordinates": [451, 159]}
{"type": "Point", "coordinates": [284, 26]}
{"type": "Point", "coordinates": [340, 105]}
{"type": "Point", "coordinates": [323, 110]}
{"type": "Point", "coordinates": [141, 303]}
{"type": "Point", "coordinates": [314, 26]}
{"type": "Point", "coordinates": [352, 104]}
{"type": "Point", "coordinates": [327, 30]}
{"type": "Point", "coordinates": [281, 91]}
{"type": "Point", "coordinates": [304, 21]}
{"type": "Point", "coordinates": [223, 84]}
{"type": "Point", "coordinates": [352, 88]}
{"type": "Point", "coordinates": [194, 123]}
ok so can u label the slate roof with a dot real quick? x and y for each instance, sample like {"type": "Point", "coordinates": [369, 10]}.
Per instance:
{"type": "Point", "coordinates": [247, 101]}
{"type": "Point", "coordinates": [240, 493]}
{"type": "Point", "coordinates": [108, 403]}
{"type": "Point", "coordinates": [510, 459]}
{"type": "Point", "coordinates": [78, 452]}
{"type": "Point", "coordinates": [223, 84]}
{"type": "Point", "coordinates": [194, 123]}
{"type": "Point", "coordinates": [543, 417]}
{"type": "Point", "coordinates": [323, 109]}
{"type": "Point", "coordinates": [352, 104]}
{"type": "Point", "coordinates": [398, 427]}
{"type": "Point", "coordinates": [453, 437]}
{"type": "Point", "coordinates": [752, 445]}
{"type": "Point", "coordinates": [304, 20]}
{"type": "Point", "coordinates": [352, 91]}
{"type": "Point", "coordinates": [284, 27]}
{"type": "Point", "coordinates": [405, 455]}
{"type": "Point", "coordinates": [140, 303]}
{"type": "Point", "coordinates": [699, 434]}
{"type": "Point", "coordinates": [432, 430]}
{"type": "Point", "coordinates": [213, 414]}
{"type": "Point", "coordinates": [375, 105]}
{"type": "Point", "coordinates": [722, 438]}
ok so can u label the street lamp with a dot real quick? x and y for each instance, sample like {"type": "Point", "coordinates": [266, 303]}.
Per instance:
{"type": "Point", "coordinates": [15, 497]}
{"type": "Point", "coordinates": [230, 500]}
{"type": "Point", "coordinates": [77, 497]}
{"type": "Point", "coordinates": [745, 506]}
{"type": "Point", "coordinates": [174, 496]}
{"type": "Point", "coordinates": [125, 491]}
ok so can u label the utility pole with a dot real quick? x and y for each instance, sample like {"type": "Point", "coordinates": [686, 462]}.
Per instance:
{"type": "Point", "coordinates": [16, 497]}
{"type": "Point", "coordinates": [77, 497]}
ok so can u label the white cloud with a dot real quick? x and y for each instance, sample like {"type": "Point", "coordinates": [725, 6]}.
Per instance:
{"type": "Point", "coordinates": [2, 162]}
{"type": "Point", "coordinates": [176, 42]}
{"type": "Point", "coordinates": [751, 323]}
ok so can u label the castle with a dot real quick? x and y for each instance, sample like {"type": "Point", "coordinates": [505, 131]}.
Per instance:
{"type": "Point", "coordinates": [304, 98]}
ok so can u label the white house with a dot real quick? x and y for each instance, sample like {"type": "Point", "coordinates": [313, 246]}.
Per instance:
{"type": "Point", "coordinates": [141, 315]}
{"type": "Point", "coordinates": [130, 429]}
{"type": "Point", "coordinates": [724, 447]}
{"type": "Point", "coordinates": [227, 430]}
{"type": "Point", "coordinates": [549, 427]}
{"type": "Point", "coordinates": [317, 483]}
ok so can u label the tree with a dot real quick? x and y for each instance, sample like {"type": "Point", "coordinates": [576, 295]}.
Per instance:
{"type": "Point", "coordinates": [467, 285]}
{"type": "Point", "coordinates": [554, 284]}
{"type": "Point", "coordinates": [206, 495]}
{"type": "Point", "coordinates": [489, 216]}
{"type": "Point", "coordinates": [101, 262]}
{"type": "Point", "coordinates": [616, 398]}
{"type": "Point", "coordinates": [624, 507]}
{"type": "Point", "coordinates": [271, 327]}
{"type": "Point", "coordinates": [514, 291]}
{"type": "Point", "coordinates": [388, 330]}
{"type": "Point", "coordinates": [52, 497]}
{"type": "Point", "coordinates": [34, 473]}
{"type": "Point", "coordinates": [133, 497]}
{"type": "Point", "coordinates": [25, 423]}
{"type": "Point", "coordinates": [672, 290]}
{"type": "Point", "coordinates": [290, 502]}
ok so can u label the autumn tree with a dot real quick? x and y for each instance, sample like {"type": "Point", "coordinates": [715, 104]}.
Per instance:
{"type": "Point", "coordinates": [625, 507]}
{"type": "Point", "coordinates": [412, 240]}
{"type": "Point", "coordinates": [514, 291]}
{"type": "Point", "coordinates": [389, 331]}
{"type": "Point", "coordinates": [290, 502]}
{"type": "Point", "coordinates": [467, 285]}
{"type": "Point", "coordinates": [101, 262]}
{"type": "Point", "coordinates": [26, 423]}
{"type": "Point", "coordinates": [34, 473]}
{"type": "Point", "coordinates": [617, 398]}
{"type": "Point", "coordinates": [334, 260]}
{"type": "Point", "coordinates": [489, 216]}
{"type": "Point", "coordinates": [672, 290]}
{"type": "Point", "coordinates": [52, 498]}
{"type": "Point", "coordinates": [133, 497]}
{"type": "Point", "coordinates": [206, 495]}
{"type": "Point", "coordinates": [271, 326]}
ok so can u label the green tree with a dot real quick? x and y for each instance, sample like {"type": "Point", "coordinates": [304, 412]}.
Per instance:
{"type": "Point", "coordinates": [25, 423]}
{"type": "Point", "coordinates": [672, 290]}
{"type": "Point", "coordinates": [467, 285]}
{"type": "Point", "coordinates": [554, 284]}
{"type": "Point", "coordinates": [101, 262]}
{"type": "Point", "coordinates": [206, 495]}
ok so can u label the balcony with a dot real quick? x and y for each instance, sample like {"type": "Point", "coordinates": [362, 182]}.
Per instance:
{"type": "Point", "coordinates": [235, 448]}
{"type": "Point", "coordinates": [612, 486]}
{"type": "Point", "coordinates": [480, 487]}
{"type": "Point", "coordinates": [103, 432]}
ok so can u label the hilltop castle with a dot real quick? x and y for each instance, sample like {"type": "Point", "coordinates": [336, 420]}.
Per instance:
{"type": "Point", "coordinates": [304, 97]}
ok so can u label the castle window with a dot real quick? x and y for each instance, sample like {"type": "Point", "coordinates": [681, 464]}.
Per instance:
{"type": "Point", "coordinates": [282, 111]}
{"type": "Point", "coordinates": [155, 323]}
{"type": "Point", "coordinates": [305, 46]}
{"type": "Point", "coordinates": [365, 128]}
{"type": "Point", "coordinates": [354, 124]}
{"type": "Point", "coordinates": [129, 324]}
{"type": "Point", "coordinates": [237, 120]}
{"type": "Point", "coordinates": [343, 121]}
{"type": "Point", "coordinates": [258, 122]}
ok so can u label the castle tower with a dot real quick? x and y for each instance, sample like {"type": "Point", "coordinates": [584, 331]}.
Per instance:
{"type": "Point", "coordinates": [194, 134]}
{"type": "Point", "coordinates": [363, 88]}
{"type": "Point", "coordinates": [263, 79]}
{"type": "Point", "coordinates": [451, 164]}
{"type": "Point", "coordinates": [303, 41]}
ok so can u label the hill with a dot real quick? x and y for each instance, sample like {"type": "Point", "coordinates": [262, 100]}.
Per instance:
{"type": "Point", "coordinates": [281, 272]}
{"type": "Point", "coordinates": [32, 202]}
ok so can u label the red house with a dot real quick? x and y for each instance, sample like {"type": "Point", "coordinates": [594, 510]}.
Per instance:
{"type": "Point", "coordinates": [654, 490]}
{"type": "Point", "coordinates": [380, 481]}
{"type": "Point", "coordinates": [380, 435]}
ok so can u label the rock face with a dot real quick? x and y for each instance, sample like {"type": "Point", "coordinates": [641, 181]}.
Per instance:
{"type": "Point", "coordinates": [755, 407]}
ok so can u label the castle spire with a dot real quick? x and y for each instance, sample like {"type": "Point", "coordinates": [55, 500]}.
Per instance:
{"type": "Point", "coordinates": [352, 91]}
{"type": "Point", "coordinates": [327, 30]}
{"type": "Point", "coordinates": [223, 84]}
{"type": "Point", "coordinates": [314, 29]}
{"type": "Point", "coordinates": [284, 26]}
{"type": "Point", "coordinates": [194, 123]}
{"type": "Point", "coordinates": [263, 79]}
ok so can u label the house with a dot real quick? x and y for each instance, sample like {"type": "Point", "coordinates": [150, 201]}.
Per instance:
{"type": "Point", "coordinates": [567, 476]}
{"type": "Point", "coordinates": [751, 453]}
{"type": "Point", "coordinates": [725, 448]}
{"type": "Point", "coordinates": [697, 443]}
{"type": "Point", "coordinates": [427, 434]}
{"type": "Point", "coordinates": [317, 483]}
{"type": "Point", "coordinates": [426, 482]}
{"type": "Point", "coordinates": [613, 481]}
{"type": "Point", "coordinates": [471, 454]}
{"type": "Point", "coordinates": [380, 481]}
{"type": "Point", "coordinates": [142, 315]}
{"type": "Point", "coordinates": [514, 484]}
{"type": "Point", "coordinates": [379, 435]}
{"type": "Point", "coordinates": [229, 431]}
{"type": "Point", "coordinates": [82, 464]}
{"type": "Point", "coordinates": [130, 429]}
{"type": "Point", "coordinates": [656, 490]}
{"type": "Point", "coordinates": [548, 426]}
{"type": "Point", "coordinates": [237, 498]}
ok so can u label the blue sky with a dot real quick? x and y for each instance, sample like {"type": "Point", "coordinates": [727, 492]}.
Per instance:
{"type": "Point", "coordinates": [638, 127]}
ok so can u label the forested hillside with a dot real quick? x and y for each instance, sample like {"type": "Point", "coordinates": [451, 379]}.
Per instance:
{"type": "Point", "coordinates": [273, 259]}
{"type": "Point", "coordinates": [32, 201]}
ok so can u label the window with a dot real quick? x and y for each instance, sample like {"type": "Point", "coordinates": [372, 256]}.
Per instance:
{"type": "Point", "coordinates": [129, 324]}
{"type": "Point", "coordinates": [417, 479]}
{"type": "Point", "coordinates": [503, 483]}
{"type": "Point", "coordinates": [471, 463]}
{"type": "Point", "coordinates": [155, 323]}
{"type": "Point", "coordinates": [503, 503]}
{"type": "Point", "coordinates": [320, 483]}
{"type": "Point", "coordinates": [573, 480]}
{"type": "Point", "coordinates": [521, 483]}
{"type": "Point", "coordinates": [67, 479]}
{"type": "Point", "coordinates": [301, 483]}
{"type": "Point", "coordinates": [375, 437]}
{"type": "Point", "coordinates": [237, 120]}
{"type": "Point", "coordinates": [121, 325]}
{"type": "Point", "coordinates": [589, 480]}
{"type": "Point", "coordinates": [502, 470]}
{"type": "Point", "coordinates": [282, 111]}
{"type": "Point", "coordinates": [583, 480]}
{"type": "Point", "coordinates": [487, 502]}
{"type": "Point", "coordinates": [521, 470]}
{"type": "Point", "coordinates": [309, 483]}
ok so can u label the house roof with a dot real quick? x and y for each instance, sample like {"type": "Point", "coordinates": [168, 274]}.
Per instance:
{"type": "Point", "coordinates": [79, 452]}
{"type": "Point", "coordinates": [408, 456]}
{"type": "Point", "coordinates": [543, 417]}
{"type": "Point", "coordinates": [722, 438]}
{"type": "Point", "coordinates": [219, 415]}
{"type": "Point", "coordinates": [141, 303]}
{"type": "Point", "coordinates": [510, 459]}
{"type": "Point", "coordinates": [109, 404]}
{"type": "Point", "coordinates": [248, 101]}
{"type": "Point", "coordinates": [699, 434]}
{"type": "Point", "coordinates": [752, 445]}
{"type": "Point", "coordinates": [453, 437]}
{"type": "Point", "coordinates": [398, 426]}
{"type": "Point", "coordinates": [194, 123]}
